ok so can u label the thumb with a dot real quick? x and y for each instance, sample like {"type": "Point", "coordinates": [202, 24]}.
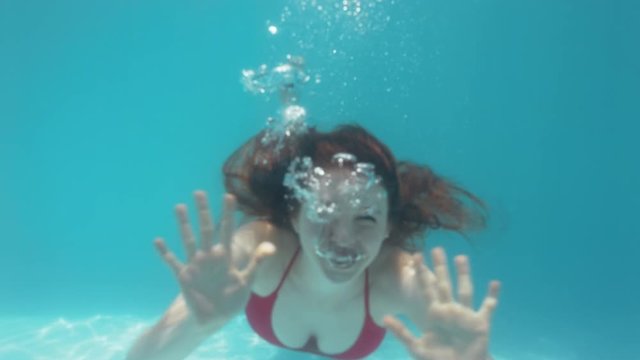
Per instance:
{"type": "Point", "coordinates": [264, 250]}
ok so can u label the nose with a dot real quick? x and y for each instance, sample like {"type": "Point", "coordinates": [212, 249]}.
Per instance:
{"type": "Point", "coordinates": [339, 234]}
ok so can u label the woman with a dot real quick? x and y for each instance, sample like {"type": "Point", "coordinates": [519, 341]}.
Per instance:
{"type": "Point", "coordinates": [328, 251]}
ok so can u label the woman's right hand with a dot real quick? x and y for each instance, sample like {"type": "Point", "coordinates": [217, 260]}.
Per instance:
{"type": "Point", "coordinates": [213, 286]}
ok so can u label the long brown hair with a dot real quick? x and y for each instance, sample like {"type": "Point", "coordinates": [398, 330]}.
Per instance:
{"type": "Point", "coordinates": [419, 199]}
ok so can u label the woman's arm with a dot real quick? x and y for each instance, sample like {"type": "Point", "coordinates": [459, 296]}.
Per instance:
{"type": "Point", "coordinates": [175, 336]}
{"type": "Point", "coordinates": [215, 283]}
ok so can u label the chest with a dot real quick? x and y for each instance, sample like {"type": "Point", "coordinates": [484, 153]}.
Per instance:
{"type": "Point", "coordinates": [296, 316]}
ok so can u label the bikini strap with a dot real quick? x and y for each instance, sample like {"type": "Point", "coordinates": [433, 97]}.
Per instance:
{"type": "Point", "coordinates": [286, 271]}
{"type": "Point", "coordinates": [366, 291]}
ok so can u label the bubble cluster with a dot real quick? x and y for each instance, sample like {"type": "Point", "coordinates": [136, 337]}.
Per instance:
{"type": "Point", "coordinates": [361, 178]}
{"type": "Point", "coordinates": [284, 79]}
{"type": "Point", "coordinates": [291, 123]}
{"type": "Point", "coordinates": [369, 53]}
{"type": "Point", "coordinates": [306, 180]}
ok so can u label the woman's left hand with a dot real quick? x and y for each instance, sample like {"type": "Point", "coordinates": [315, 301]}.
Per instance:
{"type": "Point", "coordinates": [455, 331]}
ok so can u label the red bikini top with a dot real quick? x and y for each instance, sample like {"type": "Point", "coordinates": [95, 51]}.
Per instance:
{"type": "Point", "coordinates": [259, 311]}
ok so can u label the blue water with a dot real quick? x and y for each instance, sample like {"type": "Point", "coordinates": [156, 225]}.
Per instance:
{"type": "Point", "coordinates": [111, 112]}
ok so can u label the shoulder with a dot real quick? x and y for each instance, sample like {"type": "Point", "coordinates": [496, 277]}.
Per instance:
{"type": "Point", "coordinates": [245, 242]}
{"type": "Point", "coordinates": [254, 232]}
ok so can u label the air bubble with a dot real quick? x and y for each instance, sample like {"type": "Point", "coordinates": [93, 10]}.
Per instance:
{"type": "Point", "coordinates": [304, 180]}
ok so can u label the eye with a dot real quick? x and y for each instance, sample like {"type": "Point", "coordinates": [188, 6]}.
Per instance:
{"type": "Point", "coordinates": [367, 218]}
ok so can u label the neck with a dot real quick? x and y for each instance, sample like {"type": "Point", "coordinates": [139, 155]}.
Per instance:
{"type": "Point", "coordinates": [310, 277]}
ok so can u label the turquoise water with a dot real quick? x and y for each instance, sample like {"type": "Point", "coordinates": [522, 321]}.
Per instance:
{"type": "Point", "coordinates": [111, 112]}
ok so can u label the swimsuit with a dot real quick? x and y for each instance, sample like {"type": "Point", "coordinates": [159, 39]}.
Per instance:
{"type": "Point", "coordinates": [259, 311]}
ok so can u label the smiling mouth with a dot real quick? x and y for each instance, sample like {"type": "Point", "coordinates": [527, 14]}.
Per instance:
{"type": "Point", "coordinates": [339, 257]}
{"type": "Point", "coordinates": [344, 262]}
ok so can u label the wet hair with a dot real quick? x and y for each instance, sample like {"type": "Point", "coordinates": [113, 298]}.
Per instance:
{"type": "Point", "coordinates": [419, 199]}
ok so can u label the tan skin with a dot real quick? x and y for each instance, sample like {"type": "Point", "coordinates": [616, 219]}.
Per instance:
{"type": "Point", "coordinates": [225, 266]}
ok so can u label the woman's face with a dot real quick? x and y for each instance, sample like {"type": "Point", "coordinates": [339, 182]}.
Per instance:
{"type": "Point", "coordinates": [344, 225]}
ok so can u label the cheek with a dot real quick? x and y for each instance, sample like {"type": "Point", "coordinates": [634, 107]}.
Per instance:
{"type": "Point", "coordinates": [373, 237]}
{"type": "Point", "coordinates": [373, 231]}
{"type": "Point", "coordinates": [312, 231]}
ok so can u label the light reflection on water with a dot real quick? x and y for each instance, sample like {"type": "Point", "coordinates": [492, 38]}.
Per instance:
{"type": "Point", "coordinates": [109, 337]}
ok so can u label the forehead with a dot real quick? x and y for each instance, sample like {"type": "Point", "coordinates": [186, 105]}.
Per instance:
{"type": "Point", "coordinates": [342, 187]}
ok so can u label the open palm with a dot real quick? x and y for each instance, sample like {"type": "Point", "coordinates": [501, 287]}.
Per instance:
{"type": "Point", "coordinates": [211, 283]}
{"type": "Point", "coordinates": [456, 331]}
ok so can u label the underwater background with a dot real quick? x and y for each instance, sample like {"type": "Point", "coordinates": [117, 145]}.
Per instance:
{"type": "Point", "coordinates": [111, 112]}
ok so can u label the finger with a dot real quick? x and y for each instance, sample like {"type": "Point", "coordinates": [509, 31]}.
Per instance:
{"type": "Point", "coordinates": [465, 285]}
{"type": "Point", "coordinates": [168, 256]}
{"type": "Point", "coordinates": [188, 241]}
{"type": "Point", "coordinates": [442, 274]}
{"type": "Point", "coordinates": [263, 250]}
{"type": "Point", "coordinates": [491, 300]}
{"type": "Point", "coordinates": [227, 224]}
{"type": "Point", "coordinates": [206, 221]}
{"type": "Point", "coordinates": [400, 331]}
{"type": "Point", "coordinates": [426, 278]}
{"type": "Point", "coordinates": [425, 352]}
